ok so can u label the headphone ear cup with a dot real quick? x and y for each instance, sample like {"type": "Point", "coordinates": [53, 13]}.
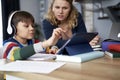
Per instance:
{"type": "Point", "coordinates": [14, 29]}
{"type": "Point", "coordinates": [10, 26]}
{"type": "Point", "coordinates": [9, 29]}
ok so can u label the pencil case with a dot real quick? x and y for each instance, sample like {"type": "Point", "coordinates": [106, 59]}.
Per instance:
{"type": "Point", "coordinates": [106, 43]}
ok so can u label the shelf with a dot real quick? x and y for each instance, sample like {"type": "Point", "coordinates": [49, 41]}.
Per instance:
{"type": "Point", "coordinates": [89, 1]}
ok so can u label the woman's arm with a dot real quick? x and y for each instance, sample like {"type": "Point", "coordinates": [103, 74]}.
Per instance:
{"type": "Point", "coordinates": [82, 28]}
{"type": "Point", "coordinates": [81, 25]}
{"type": "Point", "coordinates": [47, 28]}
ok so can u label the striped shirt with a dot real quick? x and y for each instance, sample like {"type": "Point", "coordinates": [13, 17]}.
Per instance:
{"type": "Point", "coordinates": [14, 50]}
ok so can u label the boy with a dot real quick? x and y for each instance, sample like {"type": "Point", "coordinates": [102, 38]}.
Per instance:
{"type": "Point", "coordinates": [21, 45]}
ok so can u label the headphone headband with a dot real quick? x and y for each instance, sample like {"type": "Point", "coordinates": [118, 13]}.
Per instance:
{"type": "Point", "coordinates": [9, 27]}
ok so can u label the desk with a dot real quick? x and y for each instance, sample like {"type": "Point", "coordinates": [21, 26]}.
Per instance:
{"type": "Point", "coordinates": [103, 68]}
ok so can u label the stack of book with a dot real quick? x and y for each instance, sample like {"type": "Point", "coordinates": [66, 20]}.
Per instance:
{"type": "Point", "coordinates": [79, 58]}
{"type": "Point", "coordinates": [114, 51]}
{"type": "Point", "coordinates": [97, 48]}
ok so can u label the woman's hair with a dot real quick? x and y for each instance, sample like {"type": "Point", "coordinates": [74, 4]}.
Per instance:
{"type": "Point", "coordinates": [22, 16]}
{"type": "Point", "coordinates": [71, 19]}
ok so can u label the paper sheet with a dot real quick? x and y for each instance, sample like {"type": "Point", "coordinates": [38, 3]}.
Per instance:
{"type": "Point", "coordinates": [42, 56]}
{"type": "Point", "coordinates": [32, 66]}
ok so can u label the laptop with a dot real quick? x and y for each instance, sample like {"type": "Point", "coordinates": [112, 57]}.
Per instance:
{"type": "Point", "coordinates": [115, 31]}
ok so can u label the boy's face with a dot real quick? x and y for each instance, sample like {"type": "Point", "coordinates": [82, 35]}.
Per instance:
{"type": "Point", "coordinates": [25, 30]}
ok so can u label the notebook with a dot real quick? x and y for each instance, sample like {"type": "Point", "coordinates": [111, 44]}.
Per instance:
{"type": "Point", "coordinates": [79, 43]}
{"type": "Point", "coordinates": [115, 31]}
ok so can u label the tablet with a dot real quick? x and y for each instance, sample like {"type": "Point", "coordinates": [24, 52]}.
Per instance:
{"type": "Point", "coordinates": [77, 40]}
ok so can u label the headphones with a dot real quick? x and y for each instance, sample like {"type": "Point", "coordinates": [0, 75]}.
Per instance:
{"type": "Point", "coordinates": [11, 28]}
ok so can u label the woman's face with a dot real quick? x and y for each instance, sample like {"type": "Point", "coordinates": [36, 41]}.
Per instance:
{"type": "Point", "coordinates": [61, 9]}
{"type": "Point", "coordinates": [24, 30]}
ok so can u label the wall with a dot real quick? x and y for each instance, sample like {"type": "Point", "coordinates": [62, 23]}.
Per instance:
{"type": "Point", "coordinates": [33, 6]}
{"type": "Point", "coordinates": [103, 26]}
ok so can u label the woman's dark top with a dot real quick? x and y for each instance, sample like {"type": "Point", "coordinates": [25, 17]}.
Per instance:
{"type": "Point", "coordinates": [48, 29]}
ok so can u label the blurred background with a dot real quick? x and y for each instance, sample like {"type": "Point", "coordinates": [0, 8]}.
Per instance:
{"type": "Point", "coordinates": [99, 15]}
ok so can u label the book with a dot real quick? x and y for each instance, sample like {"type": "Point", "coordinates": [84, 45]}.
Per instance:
{"type": "Point", "coordinates": [80, 57]}
{"type": "Point", "coordinates": [112, 54]}
{"type": "Point", "coordinates": [114, 47]}
{"type": "Point", "coordinates": [97, 48]}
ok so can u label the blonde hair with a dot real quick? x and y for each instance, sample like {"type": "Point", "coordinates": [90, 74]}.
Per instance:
{"type": "Point", "coordinates": [71, 19]}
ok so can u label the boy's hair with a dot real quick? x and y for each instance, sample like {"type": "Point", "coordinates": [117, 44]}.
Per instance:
{"type": "Point", "coordinates": [71, 19]}
{"type": "Point", "coordinates": [22, 16]}
{"type": "Point", "coordinates": [16, 17]}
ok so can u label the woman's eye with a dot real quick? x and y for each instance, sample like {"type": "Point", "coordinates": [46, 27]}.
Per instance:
{"type": "Point", "coordinates": [65, 8]}
{"type": "Point", "coordinates": [57, 7]}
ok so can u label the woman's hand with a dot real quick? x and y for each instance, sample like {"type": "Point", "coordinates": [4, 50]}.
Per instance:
{"type": "Point", "coordinates": [95, 41]}
{"type": "Point", "coordinates": [65, 35]}
{"type": "Point", "coordinates": [56, 35]}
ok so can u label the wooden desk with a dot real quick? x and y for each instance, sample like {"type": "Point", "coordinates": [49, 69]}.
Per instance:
{"type": "Point", "coordinates": [99, 69]}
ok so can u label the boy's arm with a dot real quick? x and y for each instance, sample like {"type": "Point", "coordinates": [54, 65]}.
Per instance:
{"type": "Point", "coordinates": [13, 52]}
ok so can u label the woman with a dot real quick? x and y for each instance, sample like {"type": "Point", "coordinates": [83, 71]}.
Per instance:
{"type": "Point", "coordinates": [21, 45]}
{"type": "Point", "coordinates": [62, 14]}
